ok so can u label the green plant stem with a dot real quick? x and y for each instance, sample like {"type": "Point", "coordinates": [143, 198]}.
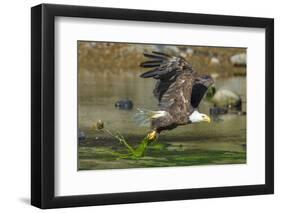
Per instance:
{"type": "Point", "coordinates": [121, 140]}
{"type": "Point", "coordinates": [138, 152]}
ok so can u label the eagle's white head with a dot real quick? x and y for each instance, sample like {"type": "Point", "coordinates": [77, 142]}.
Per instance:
{"type": "Point", "coordinates": [196, 117]}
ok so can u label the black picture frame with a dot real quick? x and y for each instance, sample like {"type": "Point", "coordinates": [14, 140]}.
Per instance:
{"type": "Point", "coordinates": [43, 102]}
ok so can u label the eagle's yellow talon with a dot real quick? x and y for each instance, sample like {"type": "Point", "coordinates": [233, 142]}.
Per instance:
{"type": "Point", "coordinates": [152, 135]}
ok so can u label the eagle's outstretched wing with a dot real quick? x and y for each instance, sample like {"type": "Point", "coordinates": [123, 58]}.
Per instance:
{"type": "Point", "coordinates": [179, 89]}
{"type": "Point", "coordinates": [165, 69]}
{"type": "Point", "coordinates": [173, 89]}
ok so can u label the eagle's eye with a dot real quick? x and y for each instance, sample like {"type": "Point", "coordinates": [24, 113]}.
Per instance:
{"type": "Point", "coordinates": [205, 118]}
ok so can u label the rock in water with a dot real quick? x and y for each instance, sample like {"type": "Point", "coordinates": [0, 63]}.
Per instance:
{"type": "Point", "coordinates": [239, 59]}
{"type": "Point", "coordinates": [227, 98]}
{"type": "Point", "coordinates": [81, 136]}
{"type": "Point", "coordinates": [125, 104]}
{"type": "Point", "coordinates": [214, 111]}
{"type": "Point", "coordinates": [99, 125]}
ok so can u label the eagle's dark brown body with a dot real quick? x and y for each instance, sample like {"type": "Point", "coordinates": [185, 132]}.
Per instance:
{"type": "Point", "coordinates": [179, 89]}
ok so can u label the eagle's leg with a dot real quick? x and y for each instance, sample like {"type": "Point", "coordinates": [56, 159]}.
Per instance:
{"type": "Point", "coordinates": [152, 136]}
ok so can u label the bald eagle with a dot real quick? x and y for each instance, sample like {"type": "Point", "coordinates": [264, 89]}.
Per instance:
{"type": "Point", "coordinates": [179, 90]}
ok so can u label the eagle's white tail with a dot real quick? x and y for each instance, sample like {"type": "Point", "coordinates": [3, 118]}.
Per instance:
{"type": "Point", "coordinates": [144, 117]}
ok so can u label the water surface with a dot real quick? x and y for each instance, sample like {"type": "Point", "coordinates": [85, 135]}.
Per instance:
{"type": "Point", "coordinates": [222, 142]}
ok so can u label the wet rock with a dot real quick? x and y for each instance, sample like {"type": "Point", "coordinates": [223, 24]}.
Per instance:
{"type": "Point", "coordinates": [98, 125]}
{"type": "Point", "coordinates": [227, 98]}
{"type": "Point", "coordinates": [214, 111]}
{"type": "Point", "coordinates": [124, 104]}
{"type": "Point", "coordinates": [241, 113]}
{"type": "Point", "coordinates": [81, 136]}
{"type": "Point", "coordinates": [239, 59]}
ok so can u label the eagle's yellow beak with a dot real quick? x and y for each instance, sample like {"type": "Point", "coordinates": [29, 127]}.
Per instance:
{"type": "Point", "coordinates": [207, 119]}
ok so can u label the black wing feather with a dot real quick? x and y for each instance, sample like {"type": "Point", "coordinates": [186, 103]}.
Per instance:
{"type": "Point", "coordinates": [198, 91]}
{"type": "Point", "coordinates": [149, 74]}
{"type": "Point", "coordinates": [165, 66]}
{"type": "Point", "coordinates": [200, 87]}
{"type": "Point", "coordinates": [154, 63]}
